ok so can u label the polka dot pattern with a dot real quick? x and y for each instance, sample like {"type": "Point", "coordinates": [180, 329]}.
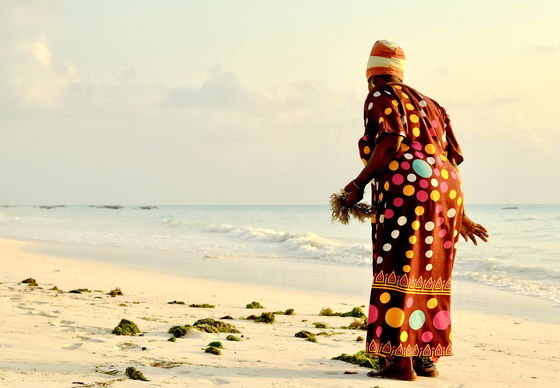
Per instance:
{"type": "Point", "coordinates": [419, 200]}
{"type": "Point", "coordinates": [417, 319]}
{"type": "Point", "coordinates": [394, 317]}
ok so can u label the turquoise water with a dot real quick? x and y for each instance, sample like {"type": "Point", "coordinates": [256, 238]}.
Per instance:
{"type": "Point", "coordinates": [522, 256]}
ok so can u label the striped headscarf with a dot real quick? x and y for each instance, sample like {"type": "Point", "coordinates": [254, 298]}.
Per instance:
{"type": "Point", "coordinates": [385, 58]}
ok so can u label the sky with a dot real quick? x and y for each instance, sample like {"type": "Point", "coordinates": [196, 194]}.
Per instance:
{"type": "Point", "coordinates": [260, 102]}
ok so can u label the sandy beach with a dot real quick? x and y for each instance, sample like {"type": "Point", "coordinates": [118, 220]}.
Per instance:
{"type": "Point", "coordinates": [50, 338]}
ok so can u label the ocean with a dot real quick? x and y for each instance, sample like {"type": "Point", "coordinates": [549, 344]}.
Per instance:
{"type": "Point", "coordinates": [291, 245]}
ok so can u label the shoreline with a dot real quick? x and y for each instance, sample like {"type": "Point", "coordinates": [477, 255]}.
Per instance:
{"type": "Point", "coordinates": [326, 278]}
{"type": "Point", "coordinates": [51, 339]}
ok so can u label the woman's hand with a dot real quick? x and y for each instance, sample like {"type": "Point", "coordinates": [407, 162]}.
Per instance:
{"type": "Point", "coordinates": [355, 194]}
{"type": "Point", "coordinates": [471, 230]}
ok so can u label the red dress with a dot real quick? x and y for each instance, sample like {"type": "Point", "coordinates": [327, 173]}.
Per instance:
{"type": "Point", "coordinates": [419, 206]}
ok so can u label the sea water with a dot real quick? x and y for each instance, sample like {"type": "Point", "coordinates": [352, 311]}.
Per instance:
{"type": "Point", "coordinates": [522, 256]}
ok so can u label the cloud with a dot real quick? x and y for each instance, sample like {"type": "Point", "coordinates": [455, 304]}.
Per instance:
{"type": "Point", "coordinates": [31, 75]}
{"type": "Point", "coordinates": [223, 91]}
{"type": "Point", "coordinates": [544, 49]}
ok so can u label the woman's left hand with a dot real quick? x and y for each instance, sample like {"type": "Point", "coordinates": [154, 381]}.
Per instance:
{"type": "Point", "coordinates": [355, 194]}
{"type": "Point", "coordinates": [471, 230]}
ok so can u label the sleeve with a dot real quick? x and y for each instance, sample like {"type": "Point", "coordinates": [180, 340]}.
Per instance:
{"type": "Point", "coordinates": [453, 149]}
{"type": "Point", "coordinates": [381, 115]}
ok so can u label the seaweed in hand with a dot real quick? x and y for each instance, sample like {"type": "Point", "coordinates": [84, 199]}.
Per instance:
{"type": "Point", "coordinates": [342, 213]}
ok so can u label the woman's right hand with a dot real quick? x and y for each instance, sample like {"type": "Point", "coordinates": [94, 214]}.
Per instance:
{"type": "Point", "coordinates": [355, 195]}
{"type": "Point", "coordinates": [471, 230]}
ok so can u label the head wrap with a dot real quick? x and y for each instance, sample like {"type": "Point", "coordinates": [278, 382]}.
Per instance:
{"type": "Point", "coordinates": [385, 58]}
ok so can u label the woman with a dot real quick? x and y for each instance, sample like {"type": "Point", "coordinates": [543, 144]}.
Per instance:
{"type": "Point", "coordinates": [411, 155]}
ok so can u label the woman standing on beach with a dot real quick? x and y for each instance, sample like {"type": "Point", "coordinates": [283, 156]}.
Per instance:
{"type": "Point", "coordinates": [410, 155]}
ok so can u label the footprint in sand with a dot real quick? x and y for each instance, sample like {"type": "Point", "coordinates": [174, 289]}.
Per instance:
{"type": "Point", "coordinates": [89, 339]}
{"type": "Point", "coordinates": [42, 314]}
{"type": "Point", "coordinates": [75, 346]}
{"type": "Point", "coordinates": [63, 325]}
{"type": "Point", "coordinates": [219, 381]}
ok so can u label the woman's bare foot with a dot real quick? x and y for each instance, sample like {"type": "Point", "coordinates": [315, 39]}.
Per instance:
{"type": "Point", "coordinates": [400, 369]}
{"type": "Point", "coordinates": [425, 366]}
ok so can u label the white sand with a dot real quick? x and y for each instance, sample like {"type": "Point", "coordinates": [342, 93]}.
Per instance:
{"type": "Point", "coordinates": [50, 339]}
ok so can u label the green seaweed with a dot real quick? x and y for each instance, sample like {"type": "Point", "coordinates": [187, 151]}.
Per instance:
{"type": "Point", "coordinates": [357, 324]}
{"type": "Point", "coordinates": [115, 292]}
{"type": "Point", "coordinates": [172, 339]}
{"type": "Point", "coordinates": [176, 302]}
{"type": "Point", "coordinates": [30, 282]}
{"type": "Point", "coordinates": [126, 327]}
{"type": "Point", "coordinates": [289, 312]}
{"type": "Point", "coordinates": [135, 374]}
{"type": "Point", "coordinates": [359, 338]}
{"type": "Point", "coordinates": [309, 336]}
{"type": "Point", "coordinates": [231, 337]}
{"type": "Point", "coordinates": [254, 305]}
{"type": "Point", "coordinates": [180, 331]}
{"type": "Point", "coordinates": [216, 344]}
{"type": "Point", "coordinates": [266, 318]}
{"type": "Point", "coordinates": [356, 312]}
{"type": "Point", "coordinates": [213, 350]}
{"type": "Point", "coordinates": [55, 288]}
{"type": "Point", "coordinates": [227, 317]}
{"type": "Point", "coordinates": [251, 317]}
{"type": "Point", "coordinates": [79, 291]}
{"type": "Point", "coordinates": [203, 305]}
{"type": "Point", "coordinates": [361, 358]}
{"type": "Point", "coordinates": [210, 325]}
{"type": "Point", "coordinates": [320, 325]}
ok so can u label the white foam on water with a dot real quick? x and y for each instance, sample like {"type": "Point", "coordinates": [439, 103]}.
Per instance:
{"type": "Point", "coordinates": [522, 256]}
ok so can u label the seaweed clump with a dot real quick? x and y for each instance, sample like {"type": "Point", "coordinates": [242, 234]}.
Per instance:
{"type": "Point", "coordinates": [361, 358]}
{"type": "Point", "coordinates": [309, 336]}
{"type": "Point", "coordinates": [115, 292]}
{"type": "Point", "coordinates": [79, 291]}
{"type": "Point", "coordinates": [231, 337]}
{"type": "Point", "coordinates": [213, 350]}
{"type": "Point", "coordinates": [176, 302]}
{"type": "Point", "coordinates": [227, 317]}
{"type": "Point", "coordinates": [135, 374]}
{"type": "Point", "coordinates": [216, 344]}
{"type": "Point", "coordinates": [126, 327]}
{"type": "Point", "coordinates": [254, 305]}
{"type": "Point", "coordinates": [202, 305]}
{"type": "Point", "coordinates": [266, 318]}
{"type": "Point", "coordinates": [210, 325]}
{"type": "Point", "coordinates": [179, 331]}
{"type": "Point", "coordinates": [341, 213]}
{"type": "Point", "coordinates": [356, 312]}
{"type": "Point", "coordinates": [289, 312]}
{"type": "Point", "coordinates": [359, 324]}
{"type": "Point", "coordinates": [30, 282]}
{"type": "Point", "coordinates": [320, 325]}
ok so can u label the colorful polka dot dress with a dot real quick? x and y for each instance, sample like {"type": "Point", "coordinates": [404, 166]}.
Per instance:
{"type": "Point", "coordinates": [419, 202]}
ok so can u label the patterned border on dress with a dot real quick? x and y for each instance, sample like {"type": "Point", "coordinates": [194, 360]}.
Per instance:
{"type": "Point", "coordinates": [412, 285]}
{"type": "Point", "coordinates": [387, 349]}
